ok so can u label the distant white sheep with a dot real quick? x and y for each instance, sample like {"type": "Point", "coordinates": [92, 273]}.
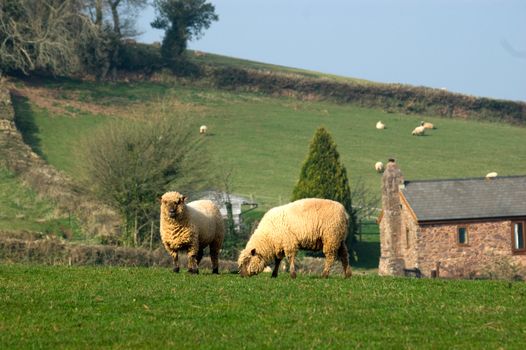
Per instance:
{"type": "Point", "coordinates": [380, 125]}
{"type": "Point", "coordinates": [427, 125]}
{"type": "Point", "coordinates": [203, 129]}
{"type": "Point", "coordinates": [419, 131]}
{"type": "Point", "coordinates": [491, 175]}
{"type": "Point", "coordinates": [379, 167]}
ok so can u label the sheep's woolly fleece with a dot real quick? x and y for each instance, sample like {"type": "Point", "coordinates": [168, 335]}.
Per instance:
{"type": "Point", "coordinates": [418, 131]}
{"type": "Point", "coordinates": [310, 224]}
{"type": "Point", "coordinates": [191, 227]}
{"type": "Point", "coordinates": [427, 125]}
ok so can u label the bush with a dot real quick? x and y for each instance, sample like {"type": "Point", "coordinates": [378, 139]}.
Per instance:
{"type": "Point", "coordinates": [53, 251]}
{"type": "Point", "coordinates": [129, 165]}
{"type": "Point", "coordinates": [140, 57]}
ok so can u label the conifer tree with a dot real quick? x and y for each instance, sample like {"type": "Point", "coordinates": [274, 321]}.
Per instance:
{"type": "Point", "coordinates": [323, 176]}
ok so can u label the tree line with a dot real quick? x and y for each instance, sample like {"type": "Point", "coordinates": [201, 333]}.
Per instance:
{"type": "Point", "coordinates": [69, 37]}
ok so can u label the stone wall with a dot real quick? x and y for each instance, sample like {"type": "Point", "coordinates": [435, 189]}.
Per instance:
{"type": "Point", "coordinates": [409, 244]}
{"type": "Point", "coordinates": [95, 217]}
{"type": "Point", "coordinates": [489, 243]}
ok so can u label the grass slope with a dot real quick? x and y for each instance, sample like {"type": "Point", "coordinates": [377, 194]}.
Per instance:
{"type": "Point", "coordinates": [22, 210]}
{"type": "Point", "coordinates": [60, 307]}
{"type": "Point", "coordinates": [265, 139]}
{"type": "Point", "coordinates": [233, 62]}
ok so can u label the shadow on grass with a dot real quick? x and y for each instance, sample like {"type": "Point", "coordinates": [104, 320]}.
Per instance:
{"type": "Point", "coordinates": [25, 123]}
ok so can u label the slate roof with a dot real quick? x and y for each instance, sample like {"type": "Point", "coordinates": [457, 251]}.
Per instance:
{"type": "Point", "coordinates": [457, 199]}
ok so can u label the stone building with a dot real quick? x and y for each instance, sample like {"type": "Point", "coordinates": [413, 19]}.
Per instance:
{"type": "Point", "coordinates": [452, 227]}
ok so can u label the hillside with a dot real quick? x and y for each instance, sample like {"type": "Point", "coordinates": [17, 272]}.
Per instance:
{"type": "Point", "coordinates": [263, 134]}
{"type": "Point", "coordinates": [243, 75]}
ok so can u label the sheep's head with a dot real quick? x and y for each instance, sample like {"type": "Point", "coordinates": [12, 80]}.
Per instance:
{"type": "Point", "coordinates": [172, 204]}
{"type": "Point", "coordinates": [250, 263]}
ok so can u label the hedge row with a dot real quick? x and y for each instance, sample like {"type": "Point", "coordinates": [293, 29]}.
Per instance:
{"type": "Point", "coordinates": [391, 97]}
{"type": "Point", "coordinates": [146, 59]}
{"type": "Point", "coordinates": [52, 251]}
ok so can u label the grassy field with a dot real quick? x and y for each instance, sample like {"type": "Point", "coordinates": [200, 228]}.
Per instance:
{"type": "Point", "coordinates": [22, 210]}
{"type": "Point", "coordinates": [60, 307]}
{"type": "Point", "coordinates": [265, 139]}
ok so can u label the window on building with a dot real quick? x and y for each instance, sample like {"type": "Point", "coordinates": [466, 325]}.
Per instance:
{"type": "Point", "coordinates": [462, 235]}
{"type": "Point", "coordinates": [518, 236]}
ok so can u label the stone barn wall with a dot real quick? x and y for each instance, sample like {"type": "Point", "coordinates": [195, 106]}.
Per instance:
{"type": "Point", "coordinates": [489, 243]}
{"type": "Point", "coordinates": [409, 237]}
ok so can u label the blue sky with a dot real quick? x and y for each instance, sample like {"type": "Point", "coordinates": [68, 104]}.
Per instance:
{"type": "Point", "coordinates": [476, 47]}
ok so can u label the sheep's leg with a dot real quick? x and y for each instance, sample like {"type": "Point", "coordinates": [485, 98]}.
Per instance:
{"type": "Point", "coordinates": [292, 268]}
{"type": "Point", "coordinates": [329, 261]}
{"type": "Point", "coordinates": [344, 257]}
{"type": "Point", "coordinates": [175, 256]}
{"type": "Point", "coordinates": [277, 261]}
{"type": "Point", "coordinates": [214, 256]}
{"type": "Point", "coordinates": [192, 263]}
{"type": "Point", "coordinates": [193, 252]}
{"type": "Point", "coordinates": [200, 253]}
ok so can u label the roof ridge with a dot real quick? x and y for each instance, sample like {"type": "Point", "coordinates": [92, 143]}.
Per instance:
{"type": "Point", "coordinates": [466, 179]}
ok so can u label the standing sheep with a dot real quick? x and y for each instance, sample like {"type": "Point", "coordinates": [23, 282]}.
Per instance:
{"type": "Point", "coordinates": [311, 224]}
{"type": "Point", "coordinates": [419, 131]}
{"type": "Point", "coordinates": [203, 129]}
{"type": "Point", "coordinates": [191, 227]}
{"type": "Point", "coordinates": [380, 125]}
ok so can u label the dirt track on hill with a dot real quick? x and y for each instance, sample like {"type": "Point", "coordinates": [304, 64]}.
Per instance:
{"type": "Point", "coordinates": [67, 103]}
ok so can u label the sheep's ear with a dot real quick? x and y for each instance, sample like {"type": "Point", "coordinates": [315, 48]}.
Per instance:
{"type": "Point", "coordinates": [253, 252]}
{"type": "Point", "coordinates": [184, 199]}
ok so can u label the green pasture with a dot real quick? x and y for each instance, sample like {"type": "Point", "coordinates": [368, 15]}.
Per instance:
{"type": "Point", "coordinates": [22, 210]}
{"type": "Point", "coordinates": [123, 308]}
{"type": "Point", "coordinates": [265, 139]}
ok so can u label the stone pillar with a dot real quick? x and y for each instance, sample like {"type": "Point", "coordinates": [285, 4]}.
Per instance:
{"type": "Point", "coordinates": [391, 259]}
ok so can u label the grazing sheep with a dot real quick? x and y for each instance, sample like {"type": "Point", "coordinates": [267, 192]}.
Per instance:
{"type": "Point", "coordinates": [203, 129]}
{"type": "Point", "coordinates": [311, 224]}
{"type": "Point", "coordinates": [427, 125]}
{"type": "Point", "coordinates": [380, 125]}
{"type": "Point", "coordinates": [191, 227]}
{"type": "Point", "coordinates": [491, 175]}
{"type": "Point", "coordinates": [419, 131]}
{"type": "Point", "coordinates": [379, 167]}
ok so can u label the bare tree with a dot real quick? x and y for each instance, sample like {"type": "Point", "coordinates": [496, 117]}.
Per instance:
{"type": "Point", "coordinates": [41, 35]}
{"type": "Point", "coordinates": [120, 14]}
{"type": "Point", "coordinates": [365, 202]}
{"type": "Point", "coordinates": [114, 20]}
